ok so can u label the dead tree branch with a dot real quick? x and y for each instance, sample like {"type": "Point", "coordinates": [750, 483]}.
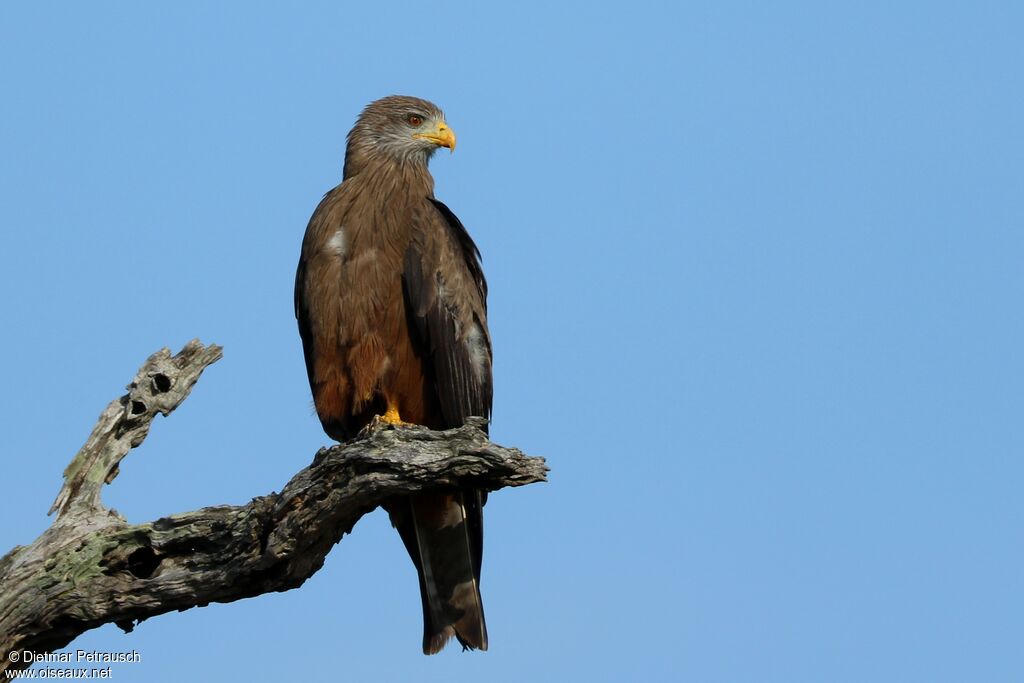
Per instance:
{"type": "Point", "coordinates": [92, 567]}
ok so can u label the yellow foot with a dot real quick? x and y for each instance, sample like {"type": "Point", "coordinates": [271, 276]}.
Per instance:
{"type": "Point", "coordinates": [391, 417]}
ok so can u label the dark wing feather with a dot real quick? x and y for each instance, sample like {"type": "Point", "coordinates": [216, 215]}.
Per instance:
{"type": "Point", "coordinates": [470, 251]}
{"type": "Point", "coordinates": [302, 316]}
{"type": "Point", "coordinates": [446, 295]}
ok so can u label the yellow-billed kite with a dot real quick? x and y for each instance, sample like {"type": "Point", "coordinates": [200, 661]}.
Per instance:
{"type": "Point", "coordinates": [391, 304]}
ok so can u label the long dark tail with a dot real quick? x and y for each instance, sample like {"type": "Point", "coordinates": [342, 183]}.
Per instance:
{"type": "Point", "coordinates": [443, 533]}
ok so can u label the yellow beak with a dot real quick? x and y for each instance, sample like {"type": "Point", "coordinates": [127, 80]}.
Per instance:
{"type": "Point", "coordinates": [442, 136]}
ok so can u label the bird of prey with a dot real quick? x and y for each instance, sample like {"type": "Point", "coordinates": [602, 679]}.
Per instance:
{"type": "Point", "coordinates": [391, 305]}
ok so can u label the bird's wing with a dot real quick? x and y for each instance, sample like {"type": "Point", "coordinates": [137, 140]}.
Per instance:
{"type": "Point", "coordinates": [446, 295]}
{"type": "Point", "coordinates": [318, 310]}
{"type": "Point", "coordinates": [302, 308]}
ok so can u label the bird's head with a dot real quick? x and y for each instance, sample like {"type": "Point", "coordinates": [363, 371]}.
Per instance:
{"type": "Point", "coordinates": [399, 128]}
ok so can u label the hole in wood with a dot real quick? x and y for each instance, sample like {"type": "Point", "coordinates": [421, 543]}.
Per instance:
{"type": "Point", "coordinates": [138, 407]}
{"type": "Point", "coordinates": [143, 562]}
{"type": "Point", "coordinates": [161, 383]}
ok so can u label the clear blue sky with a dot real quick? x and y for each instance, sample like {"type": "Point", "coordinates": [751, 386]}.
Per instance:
{"type": "Point", "coordinates": [756, 293]}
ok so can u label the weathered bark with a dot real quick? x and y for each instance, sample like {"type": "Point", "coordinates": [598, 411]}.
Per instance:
{"type": "Point", "coordinates": [91, 567]}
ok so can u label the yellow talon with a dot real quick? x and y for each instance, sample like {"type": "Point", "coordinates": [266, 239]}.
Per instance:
{"type": "Point", "coordinates": [391, 416]}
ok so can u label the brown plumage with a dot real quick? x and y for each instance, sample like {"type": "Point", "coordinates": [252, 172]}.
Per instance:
{"type": "Point", "coordinates": [391, 305]}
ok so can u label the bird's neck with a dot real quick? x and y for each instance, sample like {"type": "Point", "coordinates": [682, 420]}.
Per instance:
{"type": "Point", "coordinates": [375, 168]}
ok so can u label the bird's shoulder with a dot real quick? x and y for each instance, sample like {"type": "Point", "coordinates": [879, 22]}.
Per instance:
{"type": "Point", "coordinates": [328, 214]}
{"type": "Point", "coordinates": [444, 238]}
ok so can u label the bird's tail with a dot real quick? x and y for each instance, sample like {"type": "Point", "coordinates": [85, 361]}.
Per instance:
{"type": "Point", "coordinates": [443, 533]}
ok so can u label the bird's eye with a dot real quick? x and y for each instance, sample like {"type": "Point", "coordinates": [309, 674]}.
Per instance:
{"type": "Point", "coordinates": [414, 120]}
